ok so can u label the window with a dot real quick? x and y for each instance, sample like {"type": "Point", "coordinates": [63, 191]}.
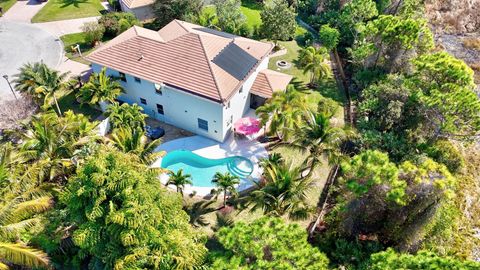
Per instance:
{"type": "Point", "coordinates": [122, 76]}
{"type": "Point", "coordinates": [228, 105]}
{"type": "Point", "coordinates": [137, 80]}
{"type": "Point", "coordinates": [160, 109]}
{"type": "Point", "coordinates": [202, 124]}
{"type": "Point", "coordinates": [241, 90]}
{"type": "Point", "coordinates": [143, 101]}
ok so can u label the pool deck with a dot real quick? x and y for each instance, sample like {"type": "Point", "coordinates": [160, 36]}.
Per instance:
{"type": "Point", "coordinates": [251, 149]}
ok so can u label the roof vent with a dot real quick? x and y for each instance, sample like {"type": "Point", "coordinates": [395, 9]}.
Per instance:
{"type": "Point", "coordinates": [141, 57]}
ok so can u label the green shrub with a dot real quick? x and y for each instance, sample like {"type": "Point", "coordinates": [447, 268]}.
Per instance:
{"type": "Point", "coordinates": [390, 260]}
{"type": "Point", "coordinates": [117, 22]}
{"type": "Point", "coordinates": [93, 32]}
{"type": "Point", "coordinates": [446, 153]}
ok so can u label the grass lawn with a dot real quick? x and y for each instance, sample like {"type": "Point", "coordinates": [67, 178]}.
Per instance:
{"type": "Point", "coordinates": [296, 157]}
{"type": "Point", "coordinates": [56, 10]}
{"type": "Point", "coordinates": [250, 8]}
{"type": "Point", "coordinates": [77, 38]}
{"type": "Point", "coordinates": [69, 102]}
{"type": "Point", "coordinates": [6, 4]}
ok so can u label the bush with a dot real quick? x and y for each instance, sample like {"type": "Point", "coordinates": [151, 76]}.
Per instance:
{"type": "Point", "coordinates": [308, 38]}
{"type": "Point", "coordinates": [446, 153]}
{"type": "Point", "coordinates": [117, 22]}
{"type": "Point", "coordinates": [353, 254]}
{"type": "Point", "coordinates": [93, 32]}
{"type": "Point", "coordinates": [390, 260]}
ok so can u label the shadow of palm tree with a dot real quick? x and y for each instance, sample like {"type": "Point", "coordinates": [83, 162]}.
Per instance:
{"type": "Point", "coordinates": [329, 88]}
{"type": "Point", "coordinates": [299, 84]}
{"type": "Point", "coordinates": [75, 3]}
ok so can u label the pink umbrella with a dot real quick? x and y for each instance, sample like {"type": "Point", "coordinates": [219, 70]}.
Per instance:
{"type": "Point", "coordinates": [247, 126]}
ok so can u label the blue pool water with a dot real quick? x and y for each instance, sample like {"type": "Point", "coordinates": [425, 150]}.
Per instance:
{"type": "Point", "coordinates": [203, 169]}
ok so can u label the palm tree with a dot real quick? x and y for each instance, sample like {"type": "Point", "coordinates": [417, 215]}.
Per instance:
{"type": "Point", "coordinates": [125, 115]}
{"type": "Point", "coordinates": [100, 87]}
{"type": "Point", "coordinates": [320, 139]}
{"type": "Point", "coordinates": [134, 141]}
{"type": "Point", "coordinates": [284, 111]}
{"type": "Point", "coordinates": [312, 60]}
{"type": "Point", "coordinates": [43, 83]}
{"type": "Point", "coordinates": [284, 192]}
{"type": "Point", "coordinates": [27, 80]}
{"type": "Point", "coordinates": [50, 142]}
{"type": "Point", "coordinates": [17, 216]}
{"type": "Point", "coordinates": [272, 160]}
{"type": "Point", "coordinates": [197, 212]}
{"type": "Point", "coordinates": [179, 180]}
{"type": "Point", "coordinates": [225, 183]}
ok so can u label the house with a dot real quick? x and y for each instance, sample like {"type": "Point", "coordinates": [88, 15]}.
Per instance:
{"type": "Point", "coordinates": [142, 9]}
{"type": "Point", "coordinates": [189, 76]}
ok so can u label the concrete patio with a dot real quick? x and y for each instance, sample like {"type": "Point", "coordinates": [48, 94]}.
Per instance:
{"type": "Point", "coordinates": [250, 149]}
{"type": "Point", "coordinates": [171, 132]}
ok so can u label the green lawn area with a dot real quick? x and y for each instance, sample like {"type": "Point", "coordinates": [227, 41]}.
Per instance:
{"type": "Point", "coordinates": [250, 8]}
{"type": "Point", "coordinates": [293, 49]}
{"type": "Point", "coordinates": [56, 10]}
{"type": "Point", "coordinates": [326, 89]}
{"type": "Point", "coordinates": [77, 38]}
{"type": "Point", "coordinates": [69, 102]}
{"type": "Point", "coordinates": [6, 4]}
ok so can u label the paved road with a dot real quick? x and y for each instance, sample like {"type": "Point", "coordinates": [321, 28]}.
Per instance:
{"type": "Point", "coordinates": [25, 43]}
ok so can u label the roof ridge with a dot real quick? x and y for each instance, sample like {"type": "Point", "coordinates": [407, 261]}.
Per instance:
{"type": "Point", "coordinates": [210, 66]}
{"type": "Point", "coordinates": [179, 22]}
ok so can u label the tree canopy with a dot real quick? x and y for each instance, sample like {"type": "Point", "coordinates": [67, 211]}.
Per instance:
{"type": "Point", "coordinates": [390, 260]}
{"type": "Point", "coordinates": [125, 219]}
{"type": "Point", "coordinates": [278, 20]}
{"type": "Point", "coordinates": [267, 243]}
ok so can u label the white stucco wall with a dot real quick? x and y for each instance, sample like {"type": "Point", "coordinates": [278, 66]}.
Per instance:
{"type": "Point", "coordinates": [181, 109]}
{"type": "Point", "coordinates": [240, 102]}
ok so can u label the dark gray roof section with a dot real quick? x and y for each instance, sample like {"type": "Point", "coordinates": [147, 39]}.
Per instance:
{"type": "Point", "coordinates": [235, 61]}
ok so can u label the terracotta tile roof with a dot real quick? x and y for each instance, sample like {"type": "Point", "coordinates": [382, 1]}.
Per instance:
{"type": "Point", "coordinates": [193, 58]}
{"type": "Point", "coordinates": [268, 81]}
{"type": "Point", "coordinates": [137, 3]}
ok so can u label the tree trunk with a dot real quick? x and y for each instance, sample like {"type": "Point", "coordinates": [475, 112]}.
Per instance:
{"type": "Point", "coordinates": [224, 199]}
{"type": "Point", "coordinates": [339, 64]}
{"type": "Point", "coordinates": [56, 103]}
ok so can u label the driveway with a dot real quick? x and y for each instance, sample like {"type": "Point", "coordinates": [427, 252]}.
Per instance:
{"type": "Point", "coordinates": [23, 11]}
{"type": "Point", "coordinates": [25, 43]}
{"type": "Point", "coordinates": [60, 28]}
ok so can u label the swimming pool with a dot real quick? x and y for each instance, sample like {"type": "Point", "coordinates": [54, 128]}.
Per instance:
{"type": "Point", "coordinates": [203, 169]}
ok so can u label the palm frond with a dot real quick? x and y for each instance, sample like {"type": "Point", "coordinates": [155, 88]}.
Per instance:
{"type": "Point", "coordinates": [31, 207]}
{"type": "Point", "coordinates": [23, 255]}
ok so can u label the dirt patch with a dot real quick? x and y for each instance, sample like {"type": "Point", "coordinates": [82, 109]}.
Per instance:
{"type": "Point", "coordinates": [463, 46]}
{"type": "Point", "coordinates": [454, 16]}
